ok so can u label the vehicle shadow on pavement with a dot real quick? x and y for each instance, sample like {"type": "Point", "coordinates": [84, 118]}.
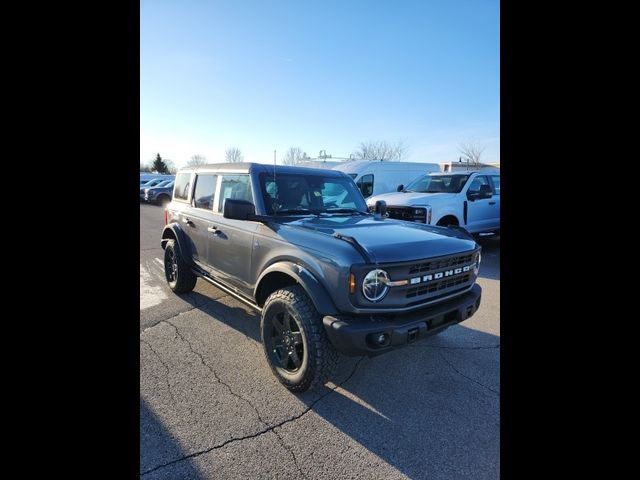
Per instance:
{"type": "Point", "coordinates": [490, 265]}
{"type": "Point", "coordinates": [243, 319]}
{"type": "Point", "coordinates": [157, 445]}
{"type": "Point", "coordinates": [431, 409]}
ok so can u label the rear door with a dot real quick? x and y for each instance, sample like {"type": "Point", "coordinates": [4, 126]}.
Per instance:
{"type": "Point", "coordinates": [200, 218]}
{"type": "Point", "coordinates": [495, 185]}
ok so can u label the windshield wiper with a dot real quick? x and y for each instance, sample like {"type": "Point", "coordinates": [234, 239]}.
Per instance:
{"type": "Point", "coordinates": [346, 210]}
{"type": "Point", "coordinates": [298, 211]}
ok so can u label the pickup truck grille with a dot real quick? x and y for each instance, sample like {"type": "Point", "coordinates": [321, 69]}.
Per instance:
{"type": "Point", "coordinates": [411, 214]}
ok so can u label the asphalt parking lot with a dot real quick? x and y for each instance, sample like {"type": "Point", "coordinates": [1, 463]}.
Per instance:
{"type": "Point", "coordinates": [210, 407]}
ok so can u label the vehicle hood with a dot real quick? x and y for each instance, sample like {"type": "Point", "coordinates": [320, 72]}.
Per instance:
{"type": "Point", "coordinates": [417, 198]}
{"type": "Point", "coordinates": [385, 240]}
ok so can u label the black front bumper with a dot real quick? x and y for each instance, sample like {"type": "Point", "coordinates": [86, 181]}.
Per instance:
{"type": "Point", "coordinates": [356, 335]}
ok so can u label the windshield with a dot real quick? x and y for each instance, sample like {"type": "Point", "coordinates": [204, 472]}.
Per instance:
{"type": "Point", "coordinates": [437, 184]}
{"type": "Point", "coordinates": [310, 193]}
{"type": "Point", "coordinates": [152, 183]}
{"type": "Point", "coordinates": [165, 183]}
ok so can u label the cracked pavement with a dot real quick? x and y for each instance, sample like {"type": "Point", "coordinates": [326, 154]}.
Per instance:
{"type": "Point", "coordinates": [211, 408]}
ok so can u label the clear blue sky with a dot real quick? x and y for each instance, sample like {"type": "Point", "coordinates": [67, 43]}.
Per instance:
{"type": "Point", "coordinates": [320, 75]}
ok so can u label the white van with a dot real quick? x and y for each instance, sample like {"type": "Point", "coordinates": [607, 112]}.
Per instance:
{"type": "Point", "coordinates": [375, 177]}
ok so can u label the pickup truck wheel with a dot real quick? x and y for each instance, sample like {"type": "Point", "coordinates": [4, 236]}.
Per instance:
{"type": "Point", "coordinates": [295, 343]}
{"type": "Point", "coordinates": [178, 274]}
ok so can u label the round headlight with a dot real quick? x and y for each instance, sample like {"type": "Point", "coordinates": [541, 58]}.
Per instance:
{"type": "Point", "coordinates": [476, 267]}
{"type": "Point", "coordinates": [374, 285]}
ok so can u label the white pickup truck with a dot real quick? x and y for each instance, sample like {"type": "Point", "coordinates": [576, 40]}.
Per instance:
{"type": "Point", "coordinates": [469, 199]}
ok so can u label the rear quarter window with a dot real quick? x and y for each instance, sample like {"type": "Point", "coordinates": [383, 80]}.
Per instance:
{"type": "Point", "coordinates": [182, 185]}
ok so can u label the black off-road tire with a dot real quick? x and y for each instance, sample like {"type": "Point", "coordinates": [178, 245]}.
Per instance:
{"type": "Point", "coordinates": [178, 274]}
{"type": "Point", "coordinates": [319, 358]}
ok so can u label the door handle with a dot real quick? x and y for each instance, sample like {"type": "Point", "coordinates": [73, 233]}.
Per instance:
{"type": "Point", "coordinates": [188, 222]}
{"type": "Point", "coordinates": [213, 230]}
{"type": "Point", "coordinates": [492, 203]}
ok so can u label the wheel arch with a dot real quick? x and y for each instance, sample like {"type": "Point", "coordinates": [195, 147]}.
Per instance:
{"type": "Point", "coordinates": [283, 274]}
{"type": "Point", "coordinates": [173, 231]}
{"type": "Point", "coordinates": [449, 216]}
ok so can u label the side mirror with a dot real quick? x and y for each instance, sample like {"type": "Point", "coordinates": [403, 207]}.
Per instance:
{"type": "Point", "coordinates": [381, 207]}
{"type": "Point", "coordinates": [400, 188]}
{"type": "Point", "coordinates": [238, 209]}
{"type": "Point", "coordinates": [485, 191]}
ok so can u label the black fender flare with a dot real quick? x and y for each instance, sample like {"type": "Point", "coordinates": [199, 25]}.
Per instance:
{"type": "Point", "coordinates": [316, 291]}
{"type": "Point", "coordinates": [172, 230]}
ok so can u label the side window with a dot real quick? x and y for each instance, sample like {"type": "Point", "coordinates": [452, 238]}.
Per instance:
{"type": "Point", "coordinates": [496, 184]}
{"type": "Point", "coordinates": [365, 184]}
{"type": "Point", "coordinates": [205, 191]}
{"type": "Point", "coordinates": [237, 187]}
{"type": "Point", "coordinates": [183, 183]}
{"type": "Point", "coordinates": [475, 184]}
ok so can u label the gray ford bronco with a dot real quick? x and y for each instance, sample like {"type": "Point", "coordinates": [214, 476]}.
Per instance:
{"type": "Point", "coordinates": [299, 246]}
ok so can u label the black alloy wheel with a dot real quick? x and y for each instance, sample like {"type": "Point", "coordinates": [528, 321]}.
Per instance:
{"type": "Point", "coordinates": [285, 343]}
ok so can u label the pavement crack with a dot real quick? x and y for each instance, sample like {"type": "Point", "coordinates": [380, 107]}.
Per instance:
{"type": "Point", "coordinates": [240, 397]}
{"type": "Point", "coordinates": [293, 454]}
{"type": "Point", "coordinates": [465, 376]}
{"type": "Point", "coordinates": [166, 367]}
{"type": "Point", "coordinates": [262, 432]}
{"type": "Point", "coordinates": [215, 374]}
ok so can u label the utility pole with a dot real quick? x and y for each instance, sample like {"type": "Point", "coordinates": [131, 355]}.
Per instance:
{"type": "Point", "coordinates": [323, 155]}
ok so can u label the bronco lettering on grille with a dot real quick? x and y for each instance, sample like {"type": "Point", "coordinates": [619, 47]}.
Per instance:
{"type": "Point", "coordinates": [439, 275]}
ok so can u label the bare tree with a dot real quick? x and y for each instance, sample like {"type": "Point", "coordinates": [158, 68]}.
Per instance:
{"type": "Point", "coordinates": [293, 156]}
{"type": "Point", "coordinates": [380, 150]}
{"type": "Point", "coordinates": [171, 167]}
{"type": "Point", "coordinates": [471, 152]}
{"type": "Point", "coordinates": [233, 155]}
{"type": "Point", "coordinates": [144, 167]}
{"type": "Point", "coordinates": [197, 160]}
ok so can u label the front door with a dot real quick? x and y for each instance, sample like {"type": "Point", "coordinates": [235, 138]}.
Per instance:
{"type": "Point", "coordinates": [231, 243]}
{"type": "Point", "coordinates": [482, 213]}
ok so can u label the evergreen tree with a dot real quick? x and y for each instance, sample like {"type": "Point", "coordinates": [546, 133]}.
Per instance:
{"type": "Point", "coordinates": [159, 165]}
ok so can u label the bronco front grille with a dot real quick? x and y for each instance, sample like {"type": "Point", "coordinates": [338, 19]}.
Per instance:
{"type": "Point", "coordinates": [437, 286]}
{"type": "Point", "coordinates": [442, 263]}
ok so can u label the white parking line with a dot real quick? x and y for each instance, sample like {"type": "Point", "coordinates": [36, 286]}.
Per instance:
{"type": "Point", "coordinates": [150, 295]}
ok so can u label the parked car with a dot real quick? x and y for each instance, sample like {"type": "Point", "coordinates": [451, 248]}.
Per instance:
{"type": "Point", "coordinates": [160, 194]}
{"type": "Point", "coordinates": [145, 177]}
{"type": "Point", "coordinates": [376, 177]}
{"type": "Point", "coordinates": [325, 279]}
{"type": "Point", "coordinates": [469, 199]}
{"type": "Point", "coordinates": [153, 183]}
